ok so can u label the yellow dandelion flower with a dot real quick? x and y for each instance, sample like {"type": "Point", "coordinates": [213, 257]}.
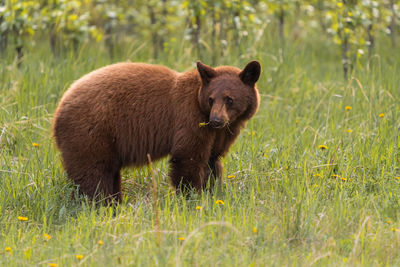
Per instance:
{"type": "Point", "coordinates": [53, 264]}
{"type": "Point", "coordinates": [255, 230]}
{"type": "Point", "coordinates": [231, 176]}
{"type": "Point", "coordinates": [35, 144]}
{"type": "Point", "coordinates": [8, 249]}
{"type": "Point", "coordinates": [22, 219]}
{"type": "Point", "coordinates": [395, 230]}
{"type": "Point", "coordinates": [219, 202]}
{"type": "Point", "coordinates": [389, 222]}
{"type": "Point", "coordinates": [340, 5]}
{"type": "Point", "coordinates": [198, 207]}
{"type": "Point", "coordinates": [349, 130]}
{"type": "Point", "coordinates": [322, 147]}
{"type": "Point", "coordinates": [266, 153]}
{"type": "Point", "coordinates": [336, 39]}
{"type": "Point", "coordinates": [397, 178]}
{"type": "Point", "coordinates": [317, 175]}
{"type": "Point", "coordinates": [47, 236]}
{"type": "Point", "coordinates": [100, 242]}
{"type": "Point", "coordinates": [347, 108]}
{"type": "Point", "coordinates": [73, 17]}
{"type": "Point", "coordinates": [79, 256]}
{"type": "Point", "coordinates": [381, 115]}
{"type": "Point", "coordinates": [287, 167]}
{"type": "Point", "coordinates": [343, 179]}
{"type": "Point", "coordinates": [181, 238]}
{"type": "Point", "coordinates": [349, 14]}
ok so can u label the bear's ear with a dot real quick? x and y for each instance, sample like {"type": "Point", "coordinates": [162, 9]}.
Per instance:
{"type": "Point", "coordinates": [206, 72]}
{"type": "Point", "coordinates": [251, 73]}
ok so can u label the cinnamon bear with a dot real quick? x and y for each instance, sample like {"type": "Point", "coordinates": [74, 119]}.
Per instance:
{"type": "Point", "coordinates": [116, 116]}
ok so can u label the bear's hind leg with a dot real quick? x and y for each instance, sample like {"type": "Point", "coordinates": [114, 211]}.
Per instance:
{"type": "Point", "coordinates": [97, 182]}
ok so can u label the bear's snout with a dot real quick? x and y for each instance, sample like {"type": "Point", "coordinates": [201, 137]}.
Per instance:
{"type": "Point", "coordinates": [217, 122]}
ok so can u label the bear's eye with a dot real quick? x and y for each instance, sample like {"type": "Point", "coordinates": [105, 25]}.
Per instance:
{"type": "Point", "coordinates": [229, 101]}
{"type": "Point", "coordinates": [210, 101]}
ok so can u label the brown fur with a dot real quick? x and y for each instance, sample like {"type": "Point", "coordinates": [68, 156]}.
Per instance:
{"type": "Point", "coordinates": [114, 116]}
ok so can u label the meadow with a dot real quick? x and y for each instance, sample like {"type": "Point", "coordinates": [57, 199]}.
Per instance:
{"type": "Point", "coordinates": [312, 180]}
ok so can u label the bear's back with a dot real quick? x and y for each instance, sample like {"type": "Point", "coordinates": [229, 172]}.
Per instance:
{"type": "Point", "coordinates": [119, 78]}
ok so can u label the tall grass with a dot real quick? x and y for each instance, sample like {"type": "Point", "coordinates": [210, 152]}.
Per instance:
{"type": "Point", "coordinates": [286, 201]}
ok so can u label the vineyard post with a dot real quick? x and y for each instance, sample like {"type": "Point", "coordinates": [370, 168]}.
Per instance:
{"type": "Point", "coordinates": [393, 24]}
{"type": "Point", "coordinates": [154, 34]}
{"type": "Point", "coordinates": [197, 35]}
{"type": "Point", "coordinates": [213, 34]}
{"type": "Point", "coordinates": [163, 22]}
{"type": "Point", "coordinates": [281, 17]}
{"type": "Point", "coordinates": [4, 33]}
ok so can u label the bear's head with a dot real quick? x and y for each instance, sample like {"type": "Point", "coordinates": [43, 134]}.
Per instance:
{"type": "Point", "coordinates": [228, 94]}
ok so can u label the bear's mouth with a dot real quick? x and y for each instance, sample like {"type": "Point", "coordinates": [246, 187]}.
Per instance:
{"type": "Point", "coordinates": [217, 124]}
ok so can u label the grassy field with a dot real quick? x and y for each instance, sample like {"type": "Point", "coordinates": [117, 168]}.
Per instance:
{"type": "Point", "coordinates": [285, 200]}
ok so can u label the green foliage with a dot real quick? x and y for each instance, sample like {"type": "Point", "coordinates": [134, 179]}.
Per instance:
{"type": "Point", "coordinates": [69, 20]}
{"type": "Point", "coordinates": [209, 25]}
{"type": "Point", "coordinates": [19, 17]}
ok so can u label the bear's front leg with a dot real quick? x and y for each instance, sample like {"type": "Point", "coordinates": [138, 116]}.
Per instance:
{"type": "Point", "coordinates": [214, 170]}
{"type": "Point", "coordinates": [187, 173]}
{"type": "Point", "coordinates": [190, 154]}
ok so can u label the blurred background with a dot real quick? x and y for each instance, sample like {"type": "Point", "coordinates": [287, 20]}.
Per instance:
{"type": "Point", "coordinates": [162, 30]}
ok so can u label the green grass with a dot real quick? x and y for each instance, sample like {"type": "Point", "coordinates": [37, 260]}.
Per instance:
{"type": "Point", "coordinates": [301, 218]}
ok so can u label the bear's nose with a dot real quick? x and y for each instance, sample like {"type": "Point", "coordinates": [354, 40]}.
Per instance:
{"type": "Point", "coordinates": [217, 122]}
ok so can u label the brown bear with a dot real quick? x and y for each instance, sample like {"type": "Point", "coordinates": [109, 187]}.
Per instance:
{"type": "Point", "coordinates": [115, 116]}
